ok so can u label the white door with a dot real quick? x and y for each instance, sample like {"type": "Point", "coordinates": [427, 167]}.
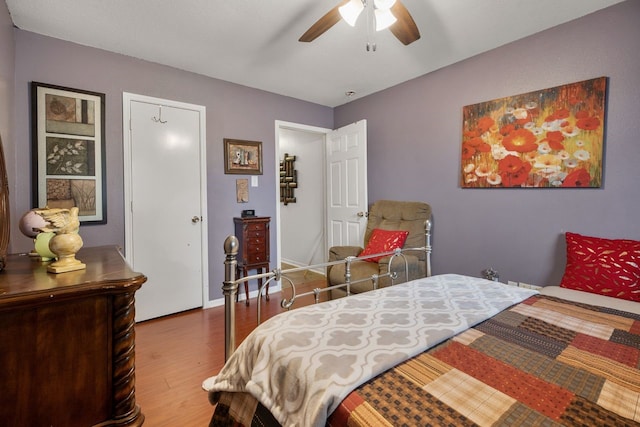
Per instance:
{"type": "Point", "coordinates": [347, 202]}
{"type": "Point", "coordinates": [165, 199]}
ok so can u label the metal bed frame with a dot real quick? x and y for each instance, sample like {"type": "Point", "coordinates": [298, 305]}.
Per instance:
{"type": "Point", "coordinates": [230, 284]}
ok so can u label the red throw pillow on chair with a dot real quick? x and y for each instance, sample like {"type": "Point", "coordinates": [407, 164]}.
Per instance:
{"type": "Point", "coordinates": [384, 241]}
{"type": "Point", "coordinates": [608, 267]}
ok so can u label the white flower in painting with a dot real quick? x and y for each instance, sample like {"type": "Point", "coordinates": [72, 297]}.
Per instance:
{"type": "Point", "coordinates": [570, 163]}
{"type": "Point", "coordinates": [494, 179]}
{"type": "Point", "coordinates": [530, 156]}
{"type": "Point", "coordinates": [580, 143]}
{"type": "Point", "coordinates": [520, 113]}
{"type": "Point", "coordinates": [483, 170]}
{"type": "Point", "coordinates": [569, 131]}
{"type": "Point", "coordinates": [469, 178]}
{"type": "Point", "coordinates": [582, 155]}
{"type": "Point", "coordinates": [498, 152]}
{"type": "Point", "coordinates": [544, 148]}
{"type": "Point", "coordinates": [552, 125]}
{"type": "Point", "coordinates": [563, 154]}
{"type": "Point", "coordinates": [557, 179]}
{"type": "Point", "coordinates": [509, 110]}
{"type": "Point", "coordinates": [548, 164]}
{"type": "Point", "coordinates": [469, 168]}
{"type": "Point", "coordinates": [530, 105]}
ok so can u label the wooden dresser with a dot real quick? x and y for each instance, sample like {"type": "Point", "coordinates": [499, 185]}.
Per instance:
{"type": "Point", "coordinates": [67, 342]}
{"type": "Point", "coordinates": [253, 250]}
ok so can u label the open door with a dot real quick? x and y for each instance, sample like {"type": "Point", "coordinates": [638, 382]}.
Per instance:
{"type": "Point", "coordinates": [343, 161]}
{"type": "Point", "coordinates": [347, 200]}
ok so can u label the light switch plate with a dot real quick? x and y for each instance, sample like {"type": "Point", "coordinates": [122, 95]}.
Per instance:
{"type": "Point", "coordinates": [254, 181]}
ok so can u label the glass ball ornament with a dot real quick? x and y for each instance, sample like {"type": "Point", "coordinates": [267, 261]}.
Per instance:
{"type": "Point", "coordinates": [30, 223]}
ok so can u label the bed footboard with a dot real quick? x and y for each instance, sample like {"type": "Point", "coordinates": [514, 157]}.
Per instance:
{"type": "Point", "coordinates": [231, 283]}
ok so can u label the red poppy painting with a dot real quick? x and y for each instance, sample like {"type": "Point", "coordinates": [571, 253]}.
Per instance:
{"type": "Point", "coordinates": [551, 138]}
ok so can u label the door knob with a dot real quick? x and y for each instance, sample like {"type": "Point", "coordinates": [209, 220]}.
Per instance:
{"type": "Point", "coordinates": [363, 214]}
{"type": "Point", "coordinates": [195, 219]}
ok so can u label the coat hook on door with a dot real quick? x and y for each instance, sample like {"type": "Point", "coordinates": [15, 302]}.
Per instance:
{"type": "Point", "coordinates": [159, 119]}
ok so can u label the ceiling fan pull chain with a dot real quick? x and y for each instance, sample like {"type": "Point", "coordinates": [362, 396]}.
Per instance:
{"type": "Point", "coordinates": [371, 39]}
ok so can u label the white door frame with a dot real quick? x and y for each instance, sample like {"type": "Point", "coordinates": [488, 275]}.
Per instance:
{"type": "Point", "coordinates": [297, 127]}
{"type": "Point", "coordinates": [127, 98]}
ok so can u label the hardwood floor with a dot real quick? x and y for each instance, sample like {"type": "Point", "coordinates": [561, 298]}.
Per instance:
{"type": "Point", "coordinates": [174, 354]}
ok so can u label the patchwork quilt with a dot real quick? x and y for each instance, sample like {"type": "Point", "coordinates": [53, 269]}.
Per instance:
{"type": "Point", "coordinates": [301, 364]}
{"type": "Point", "coordinates": [545, 361]}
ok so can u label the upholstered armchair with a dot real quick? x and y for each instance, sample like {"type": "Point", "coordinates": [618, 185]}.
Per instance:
{"type": "Point", "coordinates": [384, 215]}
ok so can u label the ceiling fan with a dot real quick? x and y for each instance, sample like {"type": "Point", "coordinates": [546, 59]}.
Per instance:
{"type": "Point", "coordinates": [389, 14]}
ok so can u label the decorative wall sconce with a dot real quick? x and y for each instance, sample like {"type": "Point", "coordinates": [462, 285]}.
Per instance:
{"type": "Point", "coordinates": [288, 179]}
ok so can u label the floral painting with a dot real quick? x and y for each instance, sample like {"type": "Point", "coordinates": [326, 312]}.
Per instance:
{"type": "Point", "coordinates": [552, 138]}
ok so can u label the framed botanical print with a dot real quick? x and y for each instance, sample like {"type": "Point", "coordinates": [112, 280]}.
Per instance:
{"type": "Point", "coordinates": [69, 150]}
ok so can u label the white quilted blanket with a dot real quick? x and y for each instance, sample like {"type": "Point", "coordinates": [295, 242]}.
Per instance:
{"type": "Point", "coordinates": [301, 364]}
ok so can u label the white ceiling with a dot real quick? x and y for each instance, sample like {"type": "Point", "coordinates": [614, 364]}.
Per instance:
{"type": "Point", "coordinates": [255, 42]}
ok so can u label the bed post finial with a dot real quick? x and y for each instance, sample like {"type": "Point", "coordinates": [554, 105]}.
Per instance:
{"type": "Point", "coordinates": [427, 246]}
{"type": "Point", "coordinates": [230, 290]}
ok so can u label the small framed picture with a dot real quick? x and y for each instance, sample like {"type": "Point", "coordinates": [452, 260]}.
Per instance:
{"type": "Point", "coordinates": [69, 150]}
{"type": "Point", "coordinates": [242, 157]}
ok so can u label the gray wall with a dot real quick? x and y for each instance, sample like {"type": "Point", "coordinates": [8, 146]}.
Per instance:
{"type": "Point", "coordinates": [233, 111]}
{"type": "Point", "coordinates": [414, 141]}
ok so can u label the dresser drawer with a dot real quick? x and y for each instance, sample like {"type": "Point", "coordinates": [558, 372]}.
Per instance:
{"type": "Point", "coordinates": [257, 258]}
{"type": "Point", "coordinates": [258, 226]}
{"type": "Point", "coordinates": [253, 237]}
{"type": "Point", "coordinates": [256, 234]}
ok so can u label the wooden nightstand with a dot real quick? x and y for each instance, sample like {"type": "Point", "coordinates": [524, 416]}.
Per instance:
{"type": "Point", "coordinates": [253, 251]}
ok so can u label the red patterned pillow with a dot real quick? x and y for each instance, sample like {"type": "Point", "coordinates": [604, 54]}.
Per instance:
{"type": "Point", "coordinates": [384, 241]}
{"type": "Point", "coordinates": [609, 267]}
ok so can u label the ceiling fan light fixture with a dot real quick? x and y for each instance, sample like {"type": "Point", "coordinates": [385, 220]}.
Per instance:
{"type": "Point", "coordinates": [351, 11]}
{"type": "Point", "coordinates": [384, 19]}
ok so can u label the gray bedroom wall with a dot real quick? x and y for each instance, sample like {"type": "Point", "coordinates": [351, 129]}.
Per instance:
{"type": "Point", "coordinates": [414, 141]}
{"type": "Point", "coordinates": [233, 111]}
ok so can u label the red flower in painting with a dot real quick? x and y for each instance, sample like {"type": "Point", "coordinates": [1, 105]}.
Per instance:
{"type": "Point", "coordinates": [521, 140]}
{"type": "Point", "coordinates": [506, 130]}
{"type": "Point", "coordinates": [510, 164]}
{"type": "Point", "coordinates": [470, 134]}
{"type": "Point", "coordinates": [555, 139]}
{"type": "Point", "coordinates": [513, 171]}
{"type": "Point", "coordinates": [518, 178]}
{"type": "Point", "coordinates": [589, 123]}
{"type": "Point", "coordinates": [561, 113]}
{"type": "Point", "coordinates": [475, 142]}
{"type": "Point", "coordinates": [485, 123]}
{"type": "Point", "coordinates": [577, 178]}
{"type": "Point", "coordinates": [468, 151]}
{"type": "Point", "coordinates": [473, 146]}
{"type": "Point", "coordinates": [582, 114]}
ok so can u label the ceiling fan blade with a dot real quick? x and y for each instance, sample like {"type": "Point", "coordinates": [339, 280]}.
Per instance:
{"type": "Point", "coordinates": [405, 28]}
{"type": "Point", "coordinates": [330, 19]}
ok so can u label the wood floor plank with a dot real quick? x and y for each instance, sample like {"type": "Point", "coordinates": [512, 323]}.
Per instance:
{"type": "Point", "coordinates": [174, 354]}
